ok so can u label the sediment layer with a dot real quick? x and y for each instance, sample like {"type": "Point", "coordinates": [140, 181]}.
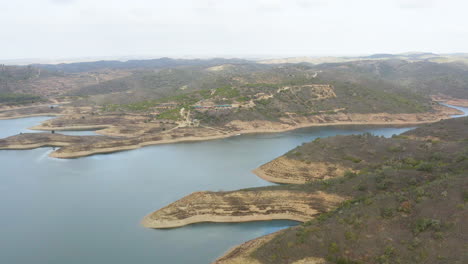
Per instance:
{"type": "Point", "coordinates": [242, 206]}
{"type": "Point", "coordinates": [290, 171]}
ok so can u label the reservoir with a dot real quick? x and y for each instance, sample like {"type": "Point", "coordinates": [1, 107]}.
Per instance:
{"type": "Point", "coordinates": [88, 210]}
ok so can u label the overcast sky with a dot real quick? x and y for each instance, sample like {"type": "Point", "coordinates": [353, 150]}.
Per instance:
{"type": "Point", "coordinates": [81, 28]}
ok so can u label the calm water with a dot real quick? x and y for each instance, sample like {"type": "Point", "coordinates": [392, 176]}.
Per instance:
{"type": "Point", "coordinates": [463, 109]}
{"type": "Point", "coordinates": [15, 126]}
{"type": "Point", "coordinates": [87, 210]}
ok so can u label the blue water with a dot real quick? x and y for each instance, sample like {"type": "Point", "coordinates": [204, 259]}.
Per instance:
{"type": "Point", "coordinates": [463, 109]}
{"type": "Point", "coordinates": [88, 210]}
{"type": "Point", "coordinates": [12, 127]}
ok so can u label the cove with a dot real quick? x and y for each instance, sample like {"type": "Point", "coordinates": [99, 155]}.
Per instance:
{"type": "Point", "coordinates": [88, 210]}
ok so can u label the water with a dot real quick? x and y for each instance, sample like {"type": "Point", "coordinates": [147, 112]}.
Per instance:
{"type": "Point", "coordinates": [12, 127]}
{"type": "Point", "coordinates": [463, 109]}
{"type": "Point", "coordinates": [88, 210]}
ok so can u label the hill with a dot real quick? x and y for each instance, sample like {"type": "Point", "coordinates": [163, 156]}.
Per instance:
{"type": "Point", "coordinates": [362, 86]}
{"type": "Point", "coordinates": [134, 64]}
{"type": "Point", "coordinates": [450, 79]}
{"type": "Point", "coordinates": [395, 200]}
{"type": "Point", "coordinates": [154, 101]}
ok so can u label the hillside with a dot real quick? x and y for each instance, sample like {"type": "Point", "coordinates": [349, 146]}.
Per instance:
{"type": "Point", "coordinates": [403, 200]}
{"type": "Point", "coordinates": [134, 64]}
{"type": "Point", "coordinates": [149, 102]}
{"type": "Point", "coordinates": [450, 79]}
{"type": "Point", "coordinates": [247, 90]}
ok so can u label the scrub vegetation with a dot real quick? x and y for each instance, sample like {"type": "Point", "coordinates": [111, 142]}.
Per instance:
{"type": "Point", "coordinates": [407, 201]}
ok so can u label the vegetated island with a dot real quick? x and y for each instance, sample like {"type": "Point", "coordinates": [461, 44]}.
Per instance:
{"type": "Point", "coordinates": [371, 200]}
{"type": "Point", "coordinates": [139, 103]}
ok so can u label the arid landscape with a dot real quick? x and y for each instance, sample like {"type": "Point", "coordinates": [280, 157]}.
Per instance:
{"type": "Point", "coordinates": [233, 132]}
{"type": "Point", "coordinates": [408, 189]}
{"type": "Point", "coordinates": [193, 100]}
{"type": "Point", "coordinates": [372, 199]}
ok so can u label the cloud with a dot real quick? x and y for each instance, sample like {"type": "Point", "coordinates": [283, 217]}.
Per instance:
{"type": "Point", "coordinates": [63, 2]}
{"type": "Point", "coordinates": [415, 4]}
{"type": "Point", "coordinates": [310, 3]}
{"type": "Point", "coordinates": [75, 28]}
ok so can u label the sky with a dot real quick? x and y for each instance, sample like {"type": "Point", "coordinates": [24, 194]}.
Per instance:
{"type": "Point", "coordinates": [50, 29]}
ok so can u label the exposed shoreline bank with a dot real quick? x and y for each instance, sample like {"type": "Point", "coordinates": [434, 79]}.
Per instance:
{"type": "Point", "coordinates": [52, 115]}
{"type": "Point", "coordinates": [221, 136]}
{"type": "Point", "coordinates": [77, 154]}
{"type": "Point", "coordinates": [115, 141]}
{"type": "Point", "coordinates": [242, 206]}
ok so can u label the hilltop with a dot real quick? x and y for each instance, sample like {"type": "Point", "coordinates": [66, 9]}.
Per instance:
{"type": "Point", "coordinates": [408, 56]}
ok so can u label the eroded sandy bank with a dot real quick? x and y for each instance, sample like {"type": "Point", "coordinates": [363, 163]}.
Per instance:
{"type": "Point", "coordinates": [134, 140]}
{"type": "Point", "coordinates": [242, 206]}
{"type": "Point", "coordinates": [290, 171]}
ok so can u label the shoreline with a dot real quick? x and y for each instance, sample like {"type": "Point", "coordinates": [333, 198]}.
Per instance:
{"type": "Point", "coordinates": [242, 251]}
{"type": "Point", "coordinates": [71, 128]}
{"type": "Point", "coordinates": [53, 115]}
{"type": "Point", "coordinates": [222, 219]}
{"type": "Point", "coordinates": [79, 154]}
{"type": "Point", "coordinates": [451, 101]}
{"type": "Point", "coordinates": [259, 172]}
{"type": "Point", "coordinates": [208, 138]}
{"type": "Point", "coordinates": [242, 206]}
{"type": "Point", "coordinates": [236, 128]}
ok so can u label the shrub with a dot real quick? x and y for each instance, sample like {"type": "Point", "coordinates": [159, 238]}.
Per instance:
{"type": "Point", "coordinates": [396, 148]}
{"type": "Point", "coordinates": [405, 207]}
{"type": "Point", "coordinates": [424, 224]}
{"type": "Point", "coordinates": [411, 161]}
{"type": "Point", "coordinates": [172, 114]}
{"type": "Point", "coordinates": [465, 196]}
{"type": "Point", "coordinates": [263, 101]}
{"type": "Point", "coordinates": [362, 187]}
{"type": "Point", "coordinates": [387, 257]}
{"type": "Point", "coordinates": [425, 166]}
{"type": "Point", "coordinates": [333, 248]}
{"type": "Point", "coordinates": [387, 212]}
{"type": "Point", "coordinates": [384, 185]}
{"type": "Point", "coordinates": [353, 159]}
{"type": "Point", "coordinates": [349, 235]}
{"type": "Point", "coordinates": [301, 235]}
{"type": "Point", "coordinates": [437, 156]}
{"type": "Point", "coordinates": [243, 99]}
{"type": "Point", "coordinates": [349, 174]}
{"type": "Point", "coordinates": [18, 98]}
{"type": "Point", "coordinates": [227, 91]}
{"type": "Point", "coordinates": [341, 260]}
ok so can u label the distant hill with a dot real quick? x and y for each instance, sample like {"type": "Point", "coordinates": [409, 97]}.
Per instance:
{"type": "Point", "coordinates": [257, 90]}
{"type": "Point", "coordinates": [409, 56]}
{"type": "Point", "coordinates": [134, 64]}
{"type": "Point", "coordinates": [380, 56]}
{"type": "Point", "coordinates": [422, 76]}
